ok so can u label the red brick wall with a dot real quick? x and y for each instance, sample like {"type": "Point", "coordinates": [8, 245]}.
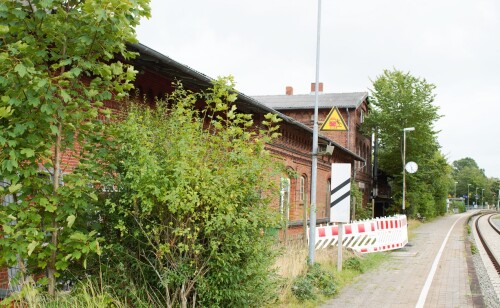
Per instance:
{"type": "Point", "coordinates": [4, 278]}
{"type": "Point", "coordinates": [353, 140]}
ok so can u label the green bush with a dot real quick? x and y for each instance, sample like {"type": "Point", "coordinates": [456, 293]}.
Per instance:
{"type": "Point", "coordinates": [316, 281]}
{"type": "Point", "coordinates": [460, 205]}
{"type": "Point", "coordinates": [354, 263]}
{"type": "Point", "coordinates": [303, 289]}
{"type": "Point", "coordinates": [191, 204]}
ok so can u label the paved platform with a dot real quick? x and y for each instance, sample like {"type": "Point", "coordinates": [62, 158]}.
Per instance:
{"type": "Point", "coordinates": [412, 277]}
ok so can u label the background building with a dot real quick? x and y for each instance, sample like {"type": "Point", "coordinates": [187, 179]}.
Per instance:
{"type": "Point", "coordinates": [352, 107]}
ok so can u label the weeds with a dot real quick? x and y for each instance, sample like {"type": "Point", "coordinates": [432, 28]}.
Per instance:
{"type": "Point", "coordinates": [86, 294]}
{"type": "Point", "coordinates": [308, 286]}
{"type": "Point", "coordinates": [473, 249]}
{"type": "Point", "coordinates": [354, 263]}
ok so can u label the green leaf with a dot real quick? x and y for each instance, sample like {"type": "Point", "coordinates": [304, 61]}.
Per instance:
{"type": "Point", "coordinates": [65, 96]}
{"type": "Point", "coordinates": [34, 101]}
{"type": "Point", "coordinates": [77, 254]}
{"type": "Point", "coordinates": [54, 129]}
{"type": "Point", "coordinates": [31, 247]}
{"type": "Point", "coordinates": [93, 196]}
{"type": "Point", "coordinates": [50, 207]}
{"type": "Point", "coordinates": [5, 112]}
{"type": "Point", "coordinates": [15, 187]}
{"type": "Point", "coordinates": [76, 71]}
{"type": "Point", "coordinates": [71, 220]}
{"type": "Point", "coordinates": [78, 236]}
{"type": "Point", "coordinates": [7, 229]}
{"type": "Point", "coordinates": [20, 69]}
{"type": "Point", "coordinates": [28, 152]}
{"type": "Point", "coordinates": [4, 29]}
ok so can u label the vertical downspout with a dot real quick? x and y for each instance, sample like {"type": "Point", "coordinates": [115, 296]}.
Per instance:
{"type": "Point", "coordinates": [375, 170]}
{"type": "Point", "coordinates": [349, 130]}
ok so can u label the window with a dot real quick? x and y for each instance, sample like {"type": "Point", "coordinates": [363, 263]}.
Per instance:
{"type": "Point", "coordinates": [302, 189]}
{"type": "Point", "coordinates": [285, 197]}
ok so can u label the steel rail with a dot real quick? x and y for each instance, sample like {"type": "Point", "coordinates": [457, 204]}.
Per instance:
{"type": "Point", "coordinates": [493, 225]}
{"type": "Point", "coordinates": [495, 262]}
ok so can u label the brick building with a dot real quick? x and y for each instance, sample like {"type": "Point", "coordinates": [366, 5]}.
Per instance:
{"type": "Point", "coordinates": [352, 107]}
{"type": "Point", "coordinates": [157, 72]}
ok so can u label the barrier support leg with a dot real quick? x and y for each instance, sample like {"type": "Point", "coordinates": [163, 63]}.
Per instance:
{"type": "Point", "coordinates": [339, 257]}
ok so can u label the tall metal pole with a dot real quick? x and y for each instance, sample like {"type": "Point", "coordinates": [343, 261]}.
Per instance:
{"type": "Point", "coordinates": [404, 173]}
{"type": "Point", "coordinates": [498, 199]}
{"type": "Point", "coordinates": [408, 129]}
{"type": "Point", "coordinates": [475, 197]}
{"type": "Point", "coordinates": [468, 196]}
{"type": "Point", "coordinates": [314, 167]}
{"type": "Point", "coordinates": [455, 189]}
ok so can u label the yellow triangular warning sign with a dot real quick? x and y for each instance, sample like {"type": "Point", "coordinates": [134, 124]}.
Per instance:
{"type": "Point", "coordinates": [334, 121]}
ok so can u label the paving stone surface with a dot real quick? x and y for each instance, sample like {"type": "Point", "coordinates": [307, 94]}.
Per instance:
{"type": "Point", "coordinates": [400, 280]}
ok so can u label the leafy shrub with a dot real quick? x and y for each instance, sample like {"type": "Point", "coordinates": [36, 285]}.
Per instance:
{"type": "Point", "coordinates": [316, 281]}
{"type": "Point", "coordinates": [189, 204]}
{"type": "Point", "coordinates": [304, 289]}
{"type": "Point", "coordinates": [357, 195]}
{"type": "Point", "coordinates": [354, 263]}
{"type": "Point", "coordinates": [322, 279]}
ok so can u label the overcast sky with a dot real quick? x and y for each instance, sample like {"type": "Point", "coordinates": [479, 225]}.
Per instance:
{"type": "Point", "coordinates": [270, 44]}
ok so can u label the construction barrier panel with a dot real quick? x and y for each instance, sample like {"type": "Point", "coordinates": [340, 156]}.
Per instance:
{"type": "Point", "coordinates": [366, 236]}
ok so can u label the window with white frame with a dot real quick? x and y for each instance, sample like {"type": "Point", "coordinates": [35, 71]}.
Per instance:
{"type": "Point", "coordinates": [302, 189]}
{"type": "Point", "coordinates": [285, 197]}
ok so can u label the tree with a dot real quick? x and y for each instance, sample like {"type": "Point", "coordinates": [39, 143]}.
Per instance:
{"type": "Point", "coordinates": [460, 164]}
{"type": "Point", "coordinates": [57, 66]}
{"type": "Point", "coordinates": [191, 200]}
{"type": "Point", "coordinates": [466, 171]}
{"type": "Point", "coordinates": [400, 100]}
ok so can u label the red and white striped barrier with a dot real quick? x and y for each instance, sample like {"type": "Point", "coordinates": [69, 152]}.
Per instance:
{"type": "Point", "coordinates": [366, 236]}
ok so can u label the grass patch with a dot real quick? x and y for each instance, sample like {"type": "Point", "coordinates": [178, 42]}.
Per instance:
{"type": "Point", "coordinates": [85, 294]}
{"type": "Point", "coordinates": [413, 224]}
{"type": "Point", "coordinates": [367, 262]}
{"type": "Point", "coordinates": [305, 286]}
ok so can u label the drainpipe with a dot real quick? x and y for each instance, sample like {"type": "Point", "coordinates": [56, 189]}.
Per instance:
{"type": "Point", "coordinates": [348, 129]}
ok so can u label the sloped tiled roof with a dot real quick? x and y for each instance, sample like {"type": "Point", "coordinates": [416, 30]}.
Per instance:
{"type": "Point", "coordinates": [306, 101]}
{"type": "Point", "coordinates": [166, 66]}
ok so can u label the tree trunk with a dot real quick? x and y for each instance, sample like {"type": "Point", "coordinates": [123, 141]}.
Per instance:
{"type": "Point", "coordinates": [183, 295]}
{"type": "Point", "coordinates": [51, 267]}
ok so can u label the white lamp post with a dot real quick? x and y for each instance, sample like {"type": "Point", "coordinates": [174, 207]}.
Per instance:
{"type": "Point", "coordinates": [498, 199]}
{"type": "Point", "coordinates": [468, 195]}
{"type": "Point", "coordinates": [408, 129]}
{"type": "Point", "coordinates": [455, 189]}
{"type": "Point", "coordinates": [475, 198]}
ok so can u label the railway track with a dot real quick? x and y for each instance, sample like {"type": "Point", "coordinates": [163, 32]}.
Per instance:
{"type": "Point", "coordinates": [487, 238]}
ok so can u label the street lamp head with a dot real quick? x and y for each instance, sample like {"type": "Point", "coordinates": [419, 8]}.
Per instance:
{"type": "Point", "coordinates": [408, 129]}
{"type": "Point", "coordinates": [456, 182]}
